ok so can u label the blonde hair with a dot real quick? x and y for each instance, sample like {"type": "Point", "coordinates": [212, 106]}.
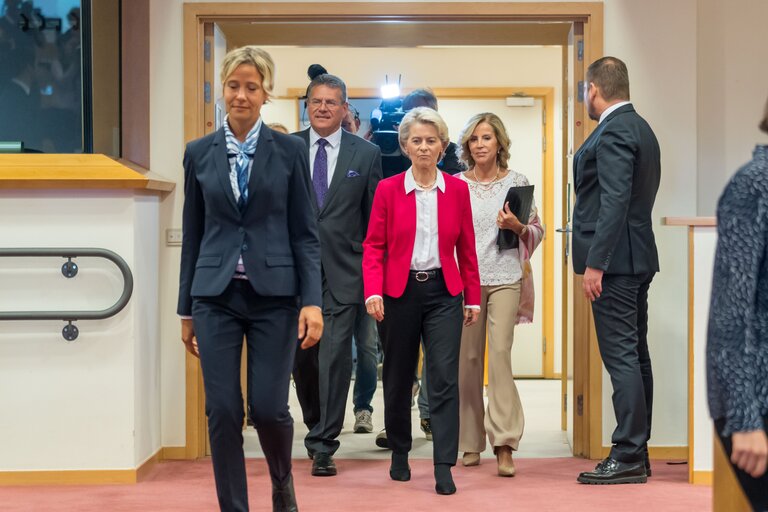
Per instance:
{"type": "Point", "coordinates": [502, 138]}
{"type": "Point", "coordinates": [423, 115]}
{"type": "Point", "coordinates": [252, 56]}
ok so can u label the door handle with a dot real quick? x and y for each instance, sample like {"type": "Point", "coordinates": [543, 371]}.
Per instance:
{"type": "Point", "coordinates": [566, 229]}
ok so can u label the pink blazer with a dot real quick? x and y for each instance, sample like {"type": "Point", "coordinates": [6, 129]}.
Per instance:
{"type": "Point", "coordinates": [388, 246]}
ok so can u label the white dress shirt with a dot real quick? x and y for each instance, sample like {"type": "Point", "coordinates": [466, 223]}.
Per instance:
{"type": "Point", "coordinates": [426, 255]}
{"type": "Point", "coordinates": [610, 109]}
{"type": "Point", "coordinates": [331, 149]}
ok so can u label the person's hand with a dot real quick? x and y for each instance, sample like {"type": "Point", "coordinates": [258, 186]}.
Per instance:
{"type": "Point", "coordinates": [188, 336]}
{"type": "Point", "coordinates": [310, 326]}
{"type": "Point", "coordinates": [470, 316]}
{"type": "Point", "coordinates": [750, 452]}
{"type": "Point", "coordinates": [592, 283]}
{"type": "Point", "coordinates": [375, 308]}
{"type": "Point", "coordinates": [508, 220]}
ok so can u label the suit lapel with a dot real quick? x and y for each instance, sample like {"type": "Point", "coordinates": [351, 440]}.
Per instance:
{"type": "Point", "coordinates": [222, 167]}
{"type": "Point", "coordinates": [346, 152]}
{"type": "Point", "coordinates": [443, 203]}
{"type": "Point", "coordinates": [260, 161]}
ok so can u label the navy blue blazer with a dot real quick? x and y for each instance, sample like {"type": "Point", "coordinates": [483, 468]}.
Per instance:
{"type": "Point", "coordinates": [616, 174]}
{"type": "Point", "coordinates": [276, 233]}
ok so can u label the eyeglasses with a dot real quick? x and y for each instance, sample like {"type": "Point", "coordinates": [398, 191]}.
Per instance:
{"type": "Point", "coordinates": [329, 104]}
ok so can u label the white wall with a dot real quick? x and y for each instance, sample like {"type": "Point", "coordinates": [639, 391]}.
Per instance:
{"type": "Point", "coordinates": [92, 403]}
{"type": "Point", "coordinates": [732, 91]}
{"type": "Point", "coordinates": [663, 44]}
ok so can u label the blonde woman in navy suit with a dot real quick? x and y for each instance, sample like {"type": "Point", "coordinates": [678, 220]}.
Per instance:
{"type": "Point", "coordinates": [250, 267]}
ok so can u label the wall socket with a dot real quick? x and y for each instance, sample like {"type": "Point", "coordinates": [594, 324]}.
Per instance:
{"type": "Point", "coordinates": [173, 237]}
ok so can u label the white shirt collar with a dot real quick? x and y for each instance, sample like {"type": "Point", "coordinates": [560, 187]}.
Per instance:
{"type": "Point", "coordinates": [610, 109]}
{"type": "Point", "coordinates": [333, 139]}
{"type": "Point", "coordinates": [410, 182]}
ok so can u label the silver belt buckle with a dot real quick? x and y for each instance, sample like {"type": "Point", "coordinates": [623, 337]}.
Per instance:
{"type": "Point", "coordinates": [422, 276]}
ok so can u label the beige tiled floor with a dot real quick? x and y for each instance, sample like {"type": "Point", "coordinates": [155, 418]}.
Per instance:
{"type": "Point", "coordinates": [542, 438]}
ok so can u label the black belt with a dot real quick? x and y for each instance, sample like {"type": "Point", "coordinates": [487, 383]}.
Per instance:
{"type": "Point", "coordinates": [426, 275]}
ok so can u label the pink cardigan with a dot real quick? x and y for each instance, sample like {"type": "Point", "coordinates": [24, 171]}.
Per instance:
{"type": "Point", "coordinates": [535, 236]}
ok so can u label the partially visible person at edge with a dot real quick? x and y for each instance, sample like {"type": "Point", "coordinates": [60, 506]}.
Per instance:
{"type": "Point", "coordinates": [506, 296]}
{"type": "Point", "coordinates": [420, 225]}
{"type": "Point", "coordinates": [250, 268]}
{"type": "Point", "coordinates": [737, 337]}
{"type": "Point", "coordinates": [616, 175]}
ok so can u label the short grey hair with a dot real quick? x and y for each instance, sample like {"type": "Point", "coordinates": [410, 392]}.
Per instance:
{"type": "Point", "coordinates": [423, 115]}
{"type": "Point", "coordinates": [331, 81]}
{"type": "Point", "coordinates": [255, 57]}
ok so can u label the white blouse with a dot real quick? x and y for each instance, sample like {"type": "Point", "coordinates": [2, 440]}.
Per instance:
{"type": "Point", "coordinates": [496, 267]}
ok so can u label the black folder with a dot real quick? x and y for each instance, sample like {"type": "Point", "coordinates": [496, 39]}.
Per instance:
{"type": "Point", "coordinates": [520, 200]}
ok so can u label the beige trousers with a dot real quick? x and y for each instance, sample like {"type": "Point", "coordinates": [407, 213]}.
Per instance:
{"type": "Point", "coordinates": [503, 421]}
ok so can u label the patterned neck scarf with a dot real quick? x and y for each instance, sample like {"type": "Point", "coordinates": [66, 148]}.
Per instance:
{"type": "Point", "coordinates": [243, 153]}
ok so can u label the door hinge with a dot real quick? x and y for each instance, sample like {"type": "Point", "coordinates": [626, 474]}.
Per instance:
{"type": "Point", "coordinates": [580, 49]}
{"type": "Point", "coordinates": [544, 144]}
{"type": "Point", "coordinates": [580, 91]}
{"type": "Point", "coordinates": [580, 405]}
{"type": "Point", "coordinates": [207, 51]}
{"type": "Point", "coordinates": [565, 402]}
{"type": "Point", "coordinates": [544, 342]}
{"type": "Point", "coordinates": [207, 92]}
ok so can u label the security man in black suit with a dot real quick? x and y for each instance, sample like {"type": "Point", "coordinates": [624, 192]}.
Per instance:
{"type": "Point", "coordinates": [616, 176]}
{"type": "Point", "coordinates": [345, 171]}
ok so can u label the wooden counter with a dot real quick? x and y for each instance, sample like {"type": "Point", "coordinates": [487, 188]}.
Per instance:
{"type": "Point", "coordinates": [76, 171]}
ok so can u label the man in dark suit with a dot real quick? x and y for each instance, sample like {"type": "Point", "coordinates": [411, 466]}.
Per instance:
{"type": "Point", "coordinates": [345, 171]}
{"type": "Point", "coordinates": [616, 176]}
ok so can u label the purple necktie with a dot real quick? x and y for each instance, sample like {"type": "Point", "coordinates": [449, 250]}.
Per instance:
{"type": "Point", "coordinates": [320, 172]}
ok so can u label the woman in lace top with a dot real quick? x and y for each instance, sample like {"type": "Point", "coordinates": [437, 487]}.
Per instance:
{"type": "Point", "coordinates": [506, 300]}
{"type": "Point", "coordinates": [737, 338]}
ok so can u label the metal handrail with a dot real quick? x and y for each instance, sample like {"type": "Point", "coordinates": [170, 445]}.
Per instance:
{"type": "Point", "coordinates": [69, 270]}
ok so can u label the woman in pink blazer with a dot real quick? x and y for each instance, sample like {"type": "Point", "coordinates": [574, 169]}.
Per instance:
{"type": "Point", "coordinates": [418, 258]}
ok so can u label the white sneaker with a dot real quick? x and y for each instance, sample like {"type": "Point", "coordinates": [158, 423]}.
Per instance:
{"type": "Point", "coordinates": [363, 422]}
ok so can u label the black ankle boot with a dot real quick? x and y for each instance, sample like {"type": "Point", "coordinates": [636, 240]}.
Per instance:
{"type": "Point", "coordinates": [443, 479]}
{"type": "Point", "coordinates": [399, 470]}
{"type": "Point", "coordinates": [284, 497]}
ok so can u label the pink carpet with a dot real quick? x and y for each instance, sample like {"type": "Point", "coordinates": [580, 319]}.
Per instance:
{"type": "Point", "coordinates": [364, 485]}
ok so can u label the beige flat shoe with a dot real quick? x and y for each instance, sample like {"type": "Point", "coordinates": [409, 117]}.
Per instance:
{"type": "Point", "coordinates": [504, 460]}
{"type": "Point", "coordinates": [470, 459]}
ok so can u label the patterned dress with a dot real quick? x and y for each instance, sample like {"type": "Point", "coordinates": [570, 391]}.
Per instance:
{"type": "Point", "coordinates": [737, 338]}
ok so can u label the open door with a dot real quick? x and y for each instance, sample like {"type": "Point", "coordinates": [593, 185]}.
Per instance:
{"type": "Point", "coordinates": [582, 375]}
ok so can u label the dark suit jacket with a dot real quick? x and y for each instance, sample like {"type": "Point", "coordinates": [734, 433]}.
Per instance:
{"type": "Point", "coordinates": [343, 219]}
{"type": "Point", "coordinates": [616, 176]}
{"type": "Point", "coordinates": [276, 234]}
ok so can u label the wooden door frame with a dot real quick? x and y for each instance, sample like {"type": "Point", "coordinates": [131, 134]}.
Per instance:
{"type": "Point", "coordinates": [589, 14]}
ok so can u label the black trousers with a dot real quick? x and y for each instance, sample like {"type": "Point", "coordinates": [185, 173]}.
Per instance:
{"type": "Point", "coordinates": [269, 325]}
{"type": "Point", "coordinates": [334, 373]}
{"type": "Point", "coordinates": [425, 310]}
{"type": "Point", "coordinates": [621, 323]}
{"type": "Point", "coordinates": [306, 378]}
{"type": "Point", "coordinates": [756, 489]}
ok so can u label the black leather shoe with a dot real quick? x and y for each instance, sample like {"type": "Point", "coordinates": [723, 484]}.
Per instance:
{"type": "Point", "coordinates": [284, 497]}
{"type": "Point", "coordinates": [612, 471]}
{"type": "Point", "coordinates": [647, 465]}
{"type": "Point", "coordinates": [323, 465]}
